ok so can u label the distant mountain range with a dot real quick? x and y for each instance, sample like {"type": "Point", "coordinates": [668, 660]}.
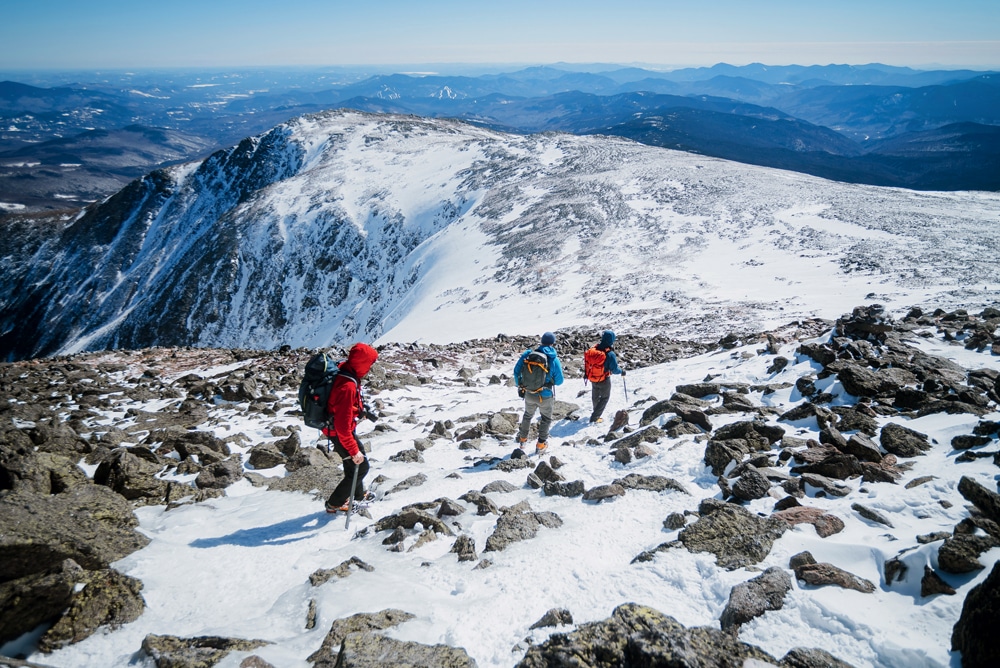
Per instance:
{"type": "Point", "coordinates": [870, 124]}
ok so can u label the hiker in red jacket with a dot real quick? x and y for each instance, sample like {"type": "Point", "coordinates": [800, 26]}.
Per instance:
{"type": "Point", "coordinates": [347, 408]}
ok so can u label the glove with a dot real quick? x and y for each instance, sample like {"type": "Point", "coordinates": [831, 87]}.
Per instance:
{"type": "Point", "coordinates": [520, 392]}
{"type": "Point", "coordinates": [371, 415]}
{"type": "Point", "coordinates": [623, 373]}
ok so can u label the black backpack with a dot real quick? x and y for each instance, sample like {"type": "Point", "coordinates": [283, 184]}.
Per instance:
{"type": "Point", "coordinates": [534, 371]}
{"type": "Point", "coordinates": [314, 390]}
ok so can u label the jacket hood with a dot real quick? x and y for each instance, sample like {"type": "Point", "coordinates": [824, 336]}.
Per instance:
{"type": "Point", "coordinates": [607, 339]}
{"type": "Point", "coordinates": [361, 358]}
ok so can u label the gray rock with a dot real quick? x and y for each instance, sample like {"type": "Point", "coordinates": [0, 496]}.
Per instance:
{"type": "Point", "coordinates": [220, 475]}
{"type": "Point", "coordinates": [829, 486]}
{"type": "Point", "coordinates": [484, 505]}
{"type": "Point", "coordinates": [825, 523]}
{"type": "Point", "coordinates": [568, 489]}
{"type": "Point", "coordinates": [38, 598]}
{"type": "Point", "coordinates": [411, 517]}
{"type": "Point", "coordinates": [755, 597]}
{"type": "Point", "coordinates": [515, 525]}
{"type": "Point", "coordinates": [903, 442]}
{"type": "Point", "coordinates": [871, 515]}
{"type": "Point", "coordinates": [108, 599]}
{"type": "Point", "coordinates": [499, 487]}
{"type": "Point", "coordinates": [374, 650]}
{"type": "Point", "coordinates": [465, 547]}
{"type": "Point", "coordinates": [652, 483]}
{"type": "Point", "coordinates": [822, 574]}
{"type": "Point", "coordinates": [89, 524]}
{"type": "Point", "coordinates": [554, 617]}
{"type": "Point", "coordinates": [863, 448]}
{"type": "Point", "coordinates": [960, 553]}
{"type": "Point", "coordinates": [987, 501]}
{"type": "Point", "coordinates": [362, 623]}
{"type": "Point", "coordinates": [175, 652]}
{"type": "Point", "coordinates": [751, 485]}
{"type": "Point", "coordinates": [734, 535]}
{"type": "Point", "coordinates": [636, 635]}
{"type": "Point", "coordinates": [602, 492]}
{"type": "Point", "coordinates": [131, 476]}
{"type": "Point", "coordinates": [801, 657]}
{"type": "Point", "coordinates": [265, 456]}
{"type": "Point", "coordinates": [974, 635]}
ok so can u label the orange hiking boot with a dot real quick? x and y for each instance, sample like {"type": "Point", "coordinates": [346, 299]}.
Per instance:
{"type": "Point", "coordinates": [333, 509]}
{"type": "Point", "coordinates": [540, 446]}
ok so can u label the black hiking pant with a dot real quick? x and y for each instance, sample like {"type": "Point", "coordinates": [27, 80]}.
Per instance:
{"type": "Point", "coordinates": [343, 490]}
{"type": "Point", "coordinates": [600, 394]}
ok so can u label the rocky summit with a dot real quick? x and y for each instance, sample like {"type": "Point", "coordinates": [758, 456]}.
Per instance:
{"type": "Point", "coordinates": [808, 472]}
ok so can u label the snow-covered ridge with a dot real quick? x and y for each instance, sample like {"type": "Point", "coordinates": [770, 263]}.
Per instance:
{"type": "Point", "coordinates": [344, 225]}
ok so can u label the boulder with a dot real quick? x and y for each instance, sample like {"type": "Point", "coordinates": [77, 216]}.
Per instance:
{"type": "Point", "coordinates": [220, 475]}
{"type": "Point", "coordinates": [974, 633]}
{"type": "Point", "coordinates": [518, 523]}
{"type": "Point", "coordinates": [171, 651]}
{"type": "Point", "coordinates": [636, 635]}
{"type": "Point", "coordinates": [89, 524]}
{"type": "Point", "coordinates": [374, 650]}
{"type": "Point", "coordinates": [826, 524]}
{"type": "Point", "coordinates": [363, 623]}
{"type": "Point", "coordinates": [753, 598]}
{"type": "Point", "coordinates": [903, 442]}
{"type": "Point", "coordinates": [734, 535]}
{"type": "Point", "coordinates": [108, 599]}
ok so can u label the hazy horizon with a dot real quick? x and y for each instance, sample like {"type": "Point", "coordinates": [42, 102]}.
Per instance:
{"type": "Point", "coordinates": [114, 35]}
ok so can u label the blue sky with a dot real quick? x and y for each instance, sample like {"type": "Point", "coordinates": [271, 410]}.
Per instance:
{"type": "Point", "coordinates": [65, 34]}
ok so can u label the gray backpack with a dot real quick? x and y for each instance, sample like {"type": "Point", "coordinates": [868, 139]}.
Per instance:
{"type": "Point", "coordinates": [534, 371]}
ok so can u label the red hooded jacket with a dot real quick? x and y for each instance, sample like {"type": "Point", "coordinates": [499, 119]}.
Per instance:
{"type": "Point", "coordinates": [345, 402]}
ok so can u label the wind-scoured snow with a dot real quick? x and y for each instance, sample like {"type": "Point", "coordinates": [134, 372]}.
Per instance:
{"type": "Point", "coordinates": [239, 566]}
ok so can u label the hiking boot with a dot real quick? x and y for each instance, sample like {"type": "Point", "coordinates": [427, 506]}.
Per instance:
{"type": "Point", "coordinates": [540, 446]}
{"type": "Point", "coordinates": [596, 420]}
{"type": "Point", "coordinates": [333, 509]}
{"type": "Point", "coordinates": [367, 498]}
{"type": "Point", "coordinates": [521, 441]}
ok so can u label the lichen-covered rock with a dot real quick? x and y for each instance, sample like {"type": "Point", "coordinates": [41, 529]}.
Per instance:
{"type": "Point", "coordinates": [89, 524]}
{"type": "Point", "coordinates": [363, 622]}
{"type": "Point", "coordinates": [200, 652]}
{"type": "Point", "coordinates": [754, 597]}
{"type": "Point", "coordinates": [734, 535]}
{"type": "Point", "coordinates": [902, 441]}
{"type": "Point", "coordinates": [107, 599]}
{"type": "Point", "coordinates": [374, 650]}
{"type": "Point", "coordinates": [975, 632]}
{"type": "Point", "coordinates": [636, 635]}
{"type": "Point", "coordinates": [516, 524]}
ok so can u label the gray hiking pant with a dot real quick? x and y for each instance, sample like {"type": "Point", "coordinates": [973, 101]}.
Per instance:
{"type": "Point", "coordinates": [543, 405]}
{"type": "Point", "coordinates": [600, 394]}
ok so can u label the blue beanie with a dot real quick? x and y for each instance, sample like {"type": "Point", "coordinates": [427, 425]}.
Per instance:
{"type": "Point", "coordinates": [607, 339]}
{"type": "Point", "coordinates": [548, 339]}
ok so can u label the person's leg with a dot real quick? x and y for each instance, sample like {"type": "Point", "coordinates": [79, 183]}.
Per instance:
{"type": "Point", "coordinates": [343, 489]}
{"type": "Point", "coordinates": [601, 396]}
{"type": "Point", "coordinates": [545, 421]}
{"type": "Point", "coordinates": [359, 490]}
{"type": "Point", "coordinates": [530, 406]}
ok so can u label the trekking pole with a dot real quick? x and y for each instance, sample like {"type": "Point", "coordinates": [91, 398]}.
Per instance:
{"type": "Point", "coordinates": [625, 385]}
{"type": "Point", "coordinates": [350, 499]}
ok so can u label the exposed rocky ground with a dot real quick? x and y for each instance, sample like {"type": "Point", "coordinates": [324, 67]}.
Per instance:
{"type": "Point", "coordinates": [77, 457]}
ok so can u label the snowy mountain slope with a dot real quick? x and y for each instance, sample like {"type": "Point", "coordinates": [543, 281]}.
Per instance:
{"type": "Point", "coordinates": [240, 565]}
{"type": "Point", "coordinates": [343, 226]}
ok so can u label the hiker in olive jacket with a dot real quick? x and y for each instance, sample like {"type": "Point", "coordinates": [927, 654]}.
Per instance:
{"type": "Point", "coordinates": [540, 398]}
{"type": "Point", "coordinates": [600, 375]}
